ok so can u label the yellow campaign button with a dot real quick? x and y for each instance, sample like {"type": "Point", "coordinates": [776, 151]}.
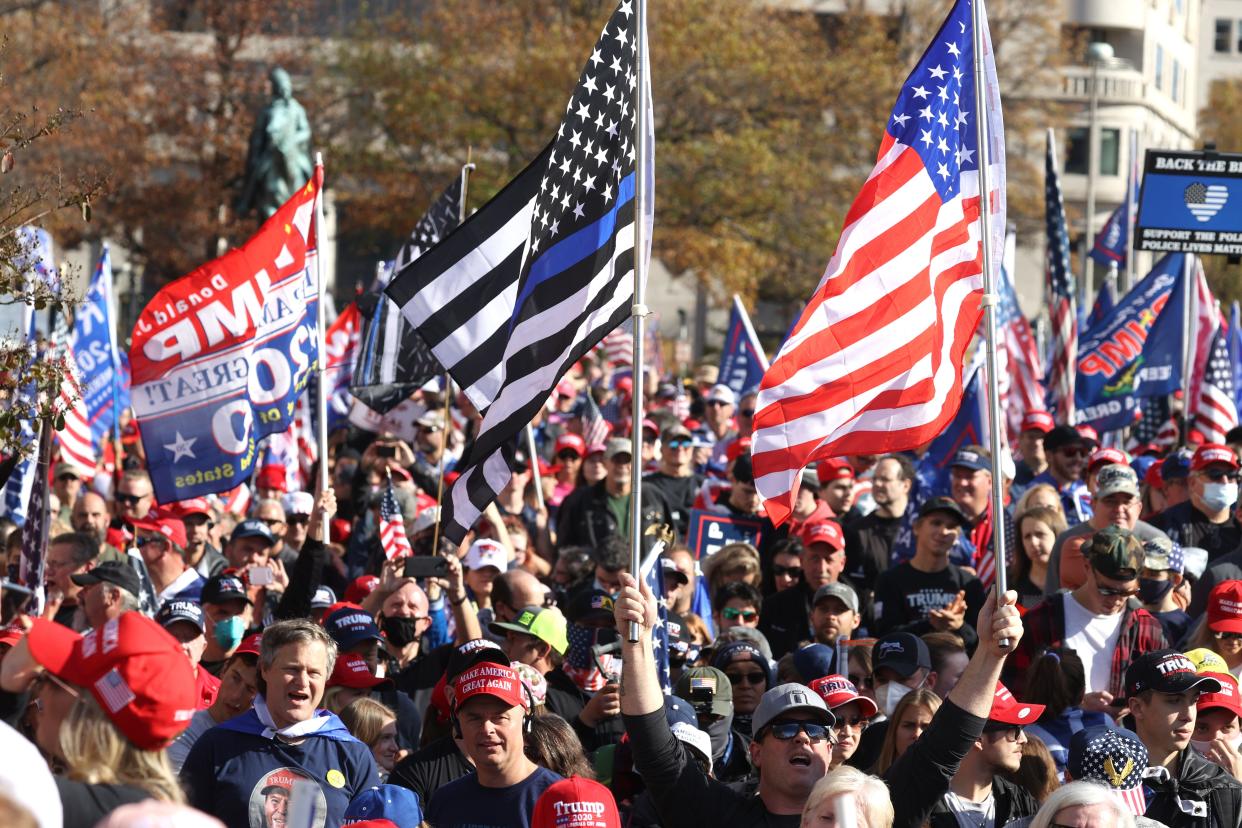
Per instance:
{"type": "Point", "coordinates": [336, 779]}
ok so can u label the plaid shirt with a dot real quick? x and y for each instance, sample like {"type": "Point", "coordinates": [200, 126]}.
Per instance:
{"type": "Point", "coordinates": [1044, 626]}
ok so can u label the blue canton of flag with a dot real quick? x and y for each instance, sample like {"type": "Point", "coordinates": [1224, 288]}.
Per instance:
{"type": "Point", "coordinates": [94, 348]}
{"type": "Point", "coordinates": [653, 574]}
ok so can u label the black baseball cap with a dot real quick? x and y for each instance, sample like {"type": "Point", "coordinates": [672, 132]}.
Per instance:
{"type": "Point", "coordinates": [180, 610]}
{"type": "Point", "coordinates": [224, 587]}
{"type": "Point", "coordinates": [590, 608]}
{"type": "Point", "coordinates": [1063, 436]}
{"type": "Point", "coordinates": [944, 504]}
{"type": "Point", "coordinates": [903, 653]}
{"type": "Point", "coordinates": [253, 528]}
{"type": "Point", "coordinates": [119, 573]}
{"type": "Point", "coordinates": [475, 651]}
{"type": "Point", "coordinates": [1167, 671]}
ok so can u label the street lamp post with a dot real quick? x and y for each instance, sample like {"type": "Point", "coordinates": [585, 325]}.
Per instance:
{"type": "Point", "coordinates": [1097, 54]}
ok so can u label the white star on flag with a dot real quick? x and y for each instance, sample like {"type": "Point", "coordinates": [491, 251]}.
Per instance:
{"type": "Point", "coordinates": [182, 447]}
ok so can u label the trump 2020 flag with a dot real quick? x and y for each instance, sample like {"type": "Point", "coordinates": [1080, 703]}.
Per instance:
{"type": "Point", "coordinates": [1136, 351]}
{"type": "Point", "coordinates": [220, 356]}
{"type": "Point", "coordinates": [93, 345]}
{"type": "Point", "coordinates": [743, 361]}
{"type": "Point", "coordinates": [875, 362]}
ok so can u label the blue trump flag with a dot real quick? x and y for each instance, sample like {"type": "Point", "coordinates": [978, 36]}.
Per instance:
{"type": "Point", "coordinates": [1105, 301]}
{"type": "Point", "coordinates": [1112, 240]}
{"type": "Point", "coordinates": [742, 362]}
{"type": "Point", "coordinates": [94, 349]}
{"type": "Point", "coordinates": [1135, 352]}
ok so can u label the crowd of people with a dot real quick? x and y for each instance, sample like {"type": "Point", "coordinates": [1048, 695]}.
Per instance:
{"type": "Point", "coordinates": [269, 665]}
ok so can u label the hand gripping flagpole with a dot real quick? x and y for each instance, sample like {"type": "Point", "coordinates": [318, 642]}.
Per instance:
{"type": "Point", "coordinates": [979, 21]}
{"type": "Point", "coordinates": [641, 197]}
{"type": "Point", "coordinates": [321, 404]}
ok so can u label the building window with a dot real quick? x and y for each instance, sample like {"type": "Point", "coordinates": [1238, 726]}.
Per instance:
{"type": "Point", "coordinates": [1108, 159]}
{"type": "Point", "coordinates": [1159, 67]}
{"type": "Point", "coordinates": [1239, 36]}
{"type": "Point", "coordinates": [1177, 76]}
{"type": "Point", "coordinates": [1224, 34]}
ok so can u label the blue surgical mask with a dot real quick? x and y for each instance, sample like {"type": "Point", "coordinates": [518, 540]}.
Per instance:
{"type": "Point", "coordinates": [229, 631]}
{"type": "Point", "coordinates": [1217, 496]}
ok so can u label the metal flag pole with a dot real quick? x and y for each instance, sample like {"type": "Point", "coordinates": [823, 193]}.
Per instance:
{"type": "Point", "coordinates": [1190, 299]}
{"type": "Point", "coordinates": [321, 404]}
{"type": "Point", "coordinates": [1131, 197]}
{"type": "Point", "coordinates": [640, 309]}
{"type": "Point", "coordinates": [979, 22]}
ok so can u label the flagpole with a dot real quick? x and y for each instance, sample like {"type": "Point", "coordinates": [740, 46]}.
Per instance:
{"type": "Point", "coordinates": [321, 404]}
{"type": "Point", "coordinates": [640, 309]}
{"type": "Point", "coordinates": [1190, 297]}
{"type": "Point", "coordinates": [989, 302]}
{"type": "Point", "coordinates": [1131, 193]}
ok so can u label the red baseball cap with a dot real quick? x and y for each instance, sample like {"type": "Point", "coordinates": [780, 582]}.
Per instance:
{"type": "Point", "coordinates": [359, 588]}
{"type": "Point", "coordinates": [838, 691]}
{"type": "Point", "coordinates": [250, 644]}
{"type": "Point", "coordinates": [1224, 611]}
{"type": "Point", "coordinates": [1008, 710]}
{"type": "Point", "coordinates": [488, 679]}
{"type": "Point", "coordinates": [833, 468]}
{"type": "Point", "coordinates": [193, 506]}
{"type": "Point", "coordinates": [351, 670]}
{"type": "Point", "coordinates": [1226, 697]}
{"type": "Point", "coordinates": [567, 388]}
{"type": "Point", "coordinates": [1038, 421]}
{"type": "Point", "coordinates": [1104, 456]}
{"type": "Point", "coordinates": [135, 670]}
{"type": "Point", "coordinates": [11, 635]}
{"type": "Point", "coordinates": [163, 523]}
{"type": "Point", "coordinates": [737, 448]}
{"type": "Point", "coordinates": [650, 425]}
{"type": "Point", "coordinates": [572, 442]}
{"type": "Point", "coordinates": [1088, 433]}
{"type": "Point", "coordinates": [1153, 477]}
{"type": "Point", "coordinates": [1209, 453]}
{"type": "Point", "coordinates": [824, 531]}
{"type": "Point", "coordinates": [272, 477]}
{"type": "Point", "coordinates": [575, 803]}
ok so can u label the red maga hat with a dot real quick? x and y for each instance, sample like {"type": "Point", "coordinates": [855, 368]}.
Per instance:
{"type": "Point", "coordinates": [1007, 709]}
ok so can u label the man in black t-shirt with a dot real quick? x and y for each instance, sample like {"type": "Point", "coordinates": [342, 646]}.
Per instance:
{"type": "Point", "coordinates": [676, 481]}
{"type": "Point", "coordinates": [927, 592]}
{"type": "Point", "coordinates": [869, 540]}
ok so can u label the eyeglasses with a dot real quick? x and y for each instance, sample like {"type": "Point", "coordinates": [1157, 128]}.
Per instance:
{"type": "Point", "coordinates": [568, 455]}
{"type": "Point", "coordinates": [298, 520]}
{"type": "Point", "coordinates": [747, 412]}
{"type": "Point", "coordinates": [852, 723]}
{"type": "Point", "coordinates": [1074, 452]}
{"type": "Point", "coordinates": [733, 613]}
{"type": "Point", "coordinates": [718, 403]}
{"type": "Point", "coordinates": [1226, 636]}
{"type": "Point", "coordinates": [678, 444]}
{"type": "Point", "coordinates": [130, 499]}
{"type": "Point", "coordinates": [754, 677]}
{"type": "Point", "coordinates": [1113, 592]}
{"type": "Point", "coordinates": [272, 521]}
{"type": "Point", "coordinates": [785, 731]}
{"type": "Point", "coordinates": [786, 571]}
{"type": "Point", "coordinates": [1010, 733]}
{"type": "Point", "coordinates": [141, 542]}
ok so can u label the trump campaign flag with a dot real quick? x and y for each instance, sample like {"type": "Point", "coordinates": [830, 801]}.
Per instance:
{"type": "Point", "coordinates": [743, 361]}
{"type": "Point", "coordinates": [1136, 351]}
{"type": "Point", "coordinates": [93, 345]}
{"type": "Point", "coordinates": [220, 356]}
{"type": "Point", "coordinates": [874, 364]}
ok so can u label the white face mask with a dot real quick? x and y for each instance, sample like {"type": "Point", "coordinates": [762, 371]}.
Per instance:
{"type": "Point", "coordinates": [1203, 747]}
{"type": "Point", "coordinates": [888, 694]}
{"type": "Point", "coordinates": [1217, 496]}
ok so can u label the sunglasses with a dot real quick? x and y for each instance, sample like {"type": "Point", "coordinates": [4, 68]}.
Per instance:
{"type": "Point", "coordinates": [718, 403]}
{"type": "Point", "coordinates": [272, 521]}
{"type": "Point", "coordinates": [568, 455]}
{"type": "Point", "coordinates": [1226, 636]}
{"type": "Point", "coordinates": [678, 444]}
{"type": "Point", "coordinates": [747, 412]}
{"type": "Point", "coordinates": [1113, 592]}
{"type": "Point", "coordinates": [1074, 452]}
{"type": "Point", "coordinates": [1218, 474]}
{"type": "Point", "coordinates": [129, 499]}
{"type": "Point", "coordinates": [1011, 733]}
{"type": "Point", "coordinates": [786, 571]}
{"type": "Point", "coordinates": [733, 613]}
{"type": "Point", "coordinates": [747, 678]}
{"type": "Point", "coordinates": [785, 731]}
{"type": "Point", "coordinates": [141, 542]}
{"type": "Point", "coordinates": [621, 459]}
{"type": "Point", "coordinates": [298, 520]}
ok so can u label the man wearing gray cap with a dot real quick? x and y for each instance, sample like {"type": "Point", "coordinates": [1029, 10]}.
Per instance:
{"type": "Point", "coordinates": [590, 515]}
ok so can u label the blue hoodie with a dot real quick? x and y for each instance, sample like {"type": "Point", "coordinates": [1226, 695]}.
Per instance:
{"type": "Point", "coordinates": [242, 777]}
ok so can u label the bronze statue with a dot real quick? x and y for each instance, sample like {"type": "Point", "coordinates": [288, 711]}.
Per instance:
{"type": "Point", "coordinates": [279, 160]}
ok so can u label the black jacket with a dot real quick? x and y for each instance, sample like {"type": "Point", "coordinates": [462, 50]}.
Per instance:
{"type": "Point", "coordinates": [922, 773]}
{"type": "Point", "coordinates": [425, 771]}
{"type": "Point", "coordinates": [566, 700]}
{"type": "Point", "coordinates": [1012, 802]}
{"type": "Point", "coordinates": [584, 518]}
{"type": "Point", "coordinates": [785, 618]}
{"type": "Point", "coordinates": [1203, 795]}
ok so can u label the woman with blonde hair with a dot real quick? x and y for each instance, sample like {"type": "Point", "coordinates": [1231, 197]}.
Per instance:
{"type": "Point", "coordinates": [96, 753]}
{"type": "Point", "coordinates": [910, 718]}
{"type": "Point", "coordinates": [732, 562]}
{"type": "Point", "coordinates": [848, 797]}
{"type": "Point", "coordinates": [375, 725]}
{"type": "Point", "coordinates": [1041, 494]}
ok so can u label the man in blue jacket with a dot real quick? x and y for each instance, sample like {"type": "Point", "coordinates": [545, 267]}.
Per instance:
{"type": "Point", "coordinates": [245, 770]}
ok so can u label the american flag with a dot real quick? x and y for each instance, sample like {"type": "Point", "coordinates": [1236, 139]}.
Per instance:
{"type": "Point", "coordinates": [392, 527]}
{"type": "Point", "coordinates": [1020, 366]}
{"type": "Point", "coordinates": [575, 283]}
{"type": "Point", "coordinates": [618, 346]}
{"type": "Point", "coordinates": [34, 531]}
{"type": "Point", "coordinates": [76, 445]}
{"type": "Point", "coordinates": [1207, 323]}
{"type": "Point", "coordinates": [1060, 283]}
{"type": "Point", "coordinates": [874, 364]}
{"type": "Point", "coordinates": [1214, 411]}
{"type": "Point", "coordinates": [595, 428]}
{"type": "Point", "coordinates": [1156, 425]}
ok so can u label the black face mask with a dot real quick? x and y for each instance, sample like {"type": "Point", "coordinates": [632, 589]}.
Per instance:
{"type": "Point", "coordinates": [399, 630]}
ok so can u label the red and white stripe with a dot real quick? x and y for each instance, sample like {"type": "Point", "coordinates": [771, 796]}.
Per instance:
{"type": "Point", "coordinates": [75, 438]}
{"type": "Point", "coordinates": [874, 364]}
{"type": "Point", "coordinates": [619, 347]}
{"type": "Point", "coordinates": [1025, 373]}
{"type": "Point", "coordinates": [1207, 323]}
{"type": "Point", "coordinates": [393, 538]}
{"type": "Point", "coordinates": [1064, 319]}
{"type": "Point", "coordinates": [1214, 411]}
